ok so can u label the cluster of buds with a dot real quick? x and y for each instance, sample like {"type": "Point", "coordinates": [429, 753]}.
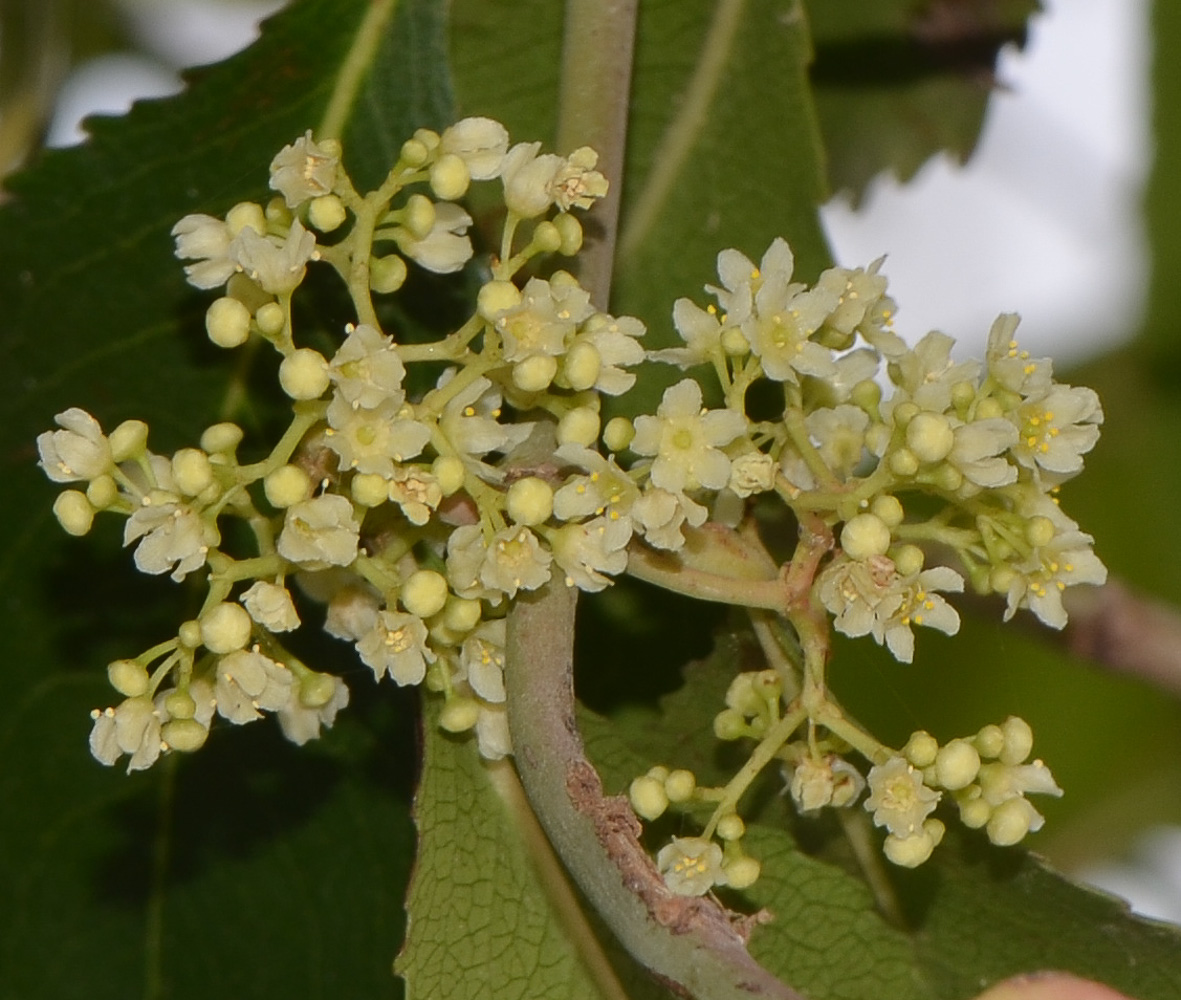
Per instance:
{"type": "Point", "coordinates": [421, 486]}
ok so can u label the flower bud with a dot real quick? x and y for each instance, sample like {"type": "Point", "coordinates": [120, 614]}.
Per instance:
{"type": "Point", "coordinates": [128, 440]}
{"type": "Point", "coordinates": [246, 215]}
{"type": "Point", "coordinates": [180, 704]}
{"type": "Point", "coordinates": [387, 274]}
{"type": "Point", "coordinates": [424, 593]}
{"type": "Point", "coordinates": [225, 627]}
{"type": "Point", "coordinates": [191, 470]}
{"type": "Point", "coordinates": [1011, 821]}
{"type": "Point", "coordinates": [326, 213]}
{"type": "Point", "coordinates": [1018, 740]}
{"type": "Point", "coordinates": [618, 433]}
{"type": "Point", "coordinates": [582, 366]}
{"type": "Point", "coordinates": [73, 512]}
{"type": "Point", "coordinates": [731, 827]}
{"type": "Point", "coordinates": [419, 215]}
{"type": "Point", "coordinates": [909, 852]}
{"type": "Point", "coordinates": [648, 797]}
{"type": "Point", "coordinates": [370, 489]}
{"type": "Point", "coordinates": [742, 873]}
{"type": "Point", "coordinates": [866, 394]}
{"type": "Point", "coordinates": [734, 343]}
{"type": "Point", "coordinates": [221, 439]}
{"type": "Point", "coordinates": [579, 426]}
{"type": "Point", "coordinates": [287, 486]}
{"type": "Point", "coordinates": [989, 409]}
{"type": "Point", "coordinates": [102, 492]}
{"type": "Point", "coordinates": [990, 741]}
{"type": "Point", "coordinates": [929, 436]}
{"type": "Point", "coordinates": [184, 735]}
{"type": "Point", "coordinates": [459, 714]}
{"type": "Point", "coordinates": [535, 373]}
{"type": "Point", "coordinates": [530, 501]}
{"type": "Point", "coordinates": [127, 677]}
{"type": "Point", "coordinates": [546, 237]}
{"type": "Point", "coordinates": [414, 153]}
{"type": "Point", "coordinates": [449, 177]}
{"type": "Point", "coordinates": [570, 231]}
{"type": "Point", "coordinates": [462, 614]}
{"type": "Point", "coordinates": [495, 297]}
{"type": "Point", "coordinates": [956, 765]}
{"type": "Point", "coordinates": [888, 509]}
{"type": "Point", "coordinates": [904, 463]}
{"type": "Point", "coordinates": [864, 536]}
{"type": "Point", "coordinates": [729, 725]}
{"type": "Point", "coordinates": [908, 559]}
{"type": "Point", "coordinates": [303, 374]}
{"type": "Point", "coordinates": [189, 634]}
{"type": "Point", "coordinates": [974, 813]}
{"type": "Point", "coordinates": [680, 785]}
{"type": "Point", "coordinates": [316, 689]}
{"type": "Point", "coordinates": [449, 471]}
{"type": "Point", "coordinates": [921, 749]}
{"type": "Point", "coordinates": [1039, 531]}
{"type": "Point", "coordinates": [227, 322]}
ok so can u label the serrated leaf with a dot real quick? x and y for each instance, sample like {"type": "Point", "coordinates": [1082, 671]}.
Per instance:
{"type": "Point", "coordinates": [897, 82]}
{"type": "Point", "coordinates": [482, 917]}
{"type": "Point", "coordinates": [976, 914]}
{"type": "Point", "coordinates": [267, 871]}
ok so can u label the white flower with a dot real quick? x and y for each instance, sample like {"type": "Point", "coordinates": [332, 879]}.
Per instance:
{"type": "Point", "coordinates": [276, 265]}
{"type": "Point", "coordinates": [372, 439]}
{"type": "Point", "coordinates": [691, 866]}
{"type": "Point", "coordinates": [926, 374]}
{"type": "Point", "coordinates": [869, 597]}
{"type": "Point", "coordinates": [304, 170]}
{"type": "Point", "coordinates": [416, 490]}
{"type": "Point", "coordinates": [685, 440]}
{"type": "Point", "coordinates": [533, 183]}
{"type": "Point", "coordinates": [397, 645]}
{"type": "Point", "coordinates": [544, 320]}
{"type": "Point", "coordinates": [206, 240]}
{"type": "Point", "coordinates": [829, 780]}
{"type": "Point", "coordinates": [480, 142]}
{"type": "Point", "coordinates": [466, 552]}
{"type": "Point", "coordinates": [132, 728]}
{"type": "Point", "coordinates": [978, 452]}
{"type": "Point", "coordinates": [700, 329]}
{"type": "Point", "coordinates": [659, 516]}
{"type": "Point", "coordinates": [898, 798]}
{"type": "Point", "coordinates": [515, 561]}
{"type": "Point", "coordinates": [352, 610]}
{"type": "Point", "coordinates": [1039, 580]}
{"type": "Point", "coordinates": [248, 681]}
{"type": "Point", "coordinates": [174, 536]}
{"type": "Point", "coordinates": [469, 423]}
{"type": "Point", "coordinates": [270, 605]}
{"type": "Point", "coordinates": [367, 370]}
{"type": "Point", "coordinates": [320, 532]}
{"type": "Point", "coordinates": [589, 550]}
{"type": "Point", "coordinates": [1057, 428]}
{"type": "Point", "coordinates": [617, 341]}
{"type": "Point", "coordinates": [481, 660]}
{"type": "Point", "coordinates": [606, 490]}
{"type": "Point", "coordinates": [446, 247]}
{"type": "Point", "coordinates": [79, 451]}
{"type": "Point", "coordinates": [301, 722]}
{"type": "Point", "coordinates": [781, 341]}
{"type": "Point", "coordinates": [1012, 368]}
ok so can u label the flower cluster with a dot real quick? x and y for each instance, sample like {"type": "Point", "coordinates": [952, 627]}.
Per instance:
{"type": "Point", "coordinates": [421, 486]}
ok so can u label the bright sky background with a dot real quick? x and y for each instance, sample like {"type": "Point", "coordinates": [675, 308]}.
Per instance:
{"type": "Point", "coordinates": [1044, 221]}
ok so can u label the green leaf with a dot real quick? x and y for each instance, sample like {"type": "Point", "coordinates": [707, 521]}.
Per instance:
{"type": "Point", "coordinates": [265, 870]}
{"type": "Point", "coordinates": [721, 152]}
{"type": "Point", "coordinates": [897, 82]}
{"type": "Point", "coordinates": [488, 901]}
{"type": "Point", "coordinates": [975, 914]}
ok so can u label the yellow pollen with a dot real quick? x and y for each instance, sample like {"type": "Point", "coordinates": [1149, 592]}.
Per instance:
{"type": "Point", "coordinates": [1030, 369]}
{"type": "Point", "coordinates": [1048, 415]}
{"type": "Point", "coordinates": [918, 619]}
{"type": "Point", "coordinates": [711, 309]}
{"type": "Point", "coordinates": [754, 273]}
{"type": "Point", "coordinates": [469, 411]}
